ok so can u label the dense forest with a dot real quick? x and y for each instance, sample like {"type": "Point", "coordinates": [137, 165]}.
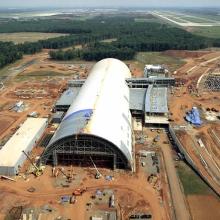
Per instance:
{"type": "Point", "coordinates": [95, 51]}
{"type": "Point", "coordinates": [131, 37]}
{"type": "Point", "coordinates": [8, 53]}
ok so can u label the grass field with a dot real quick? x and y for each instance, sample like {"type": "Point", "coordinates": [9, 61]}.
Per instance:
{"type": "Point", "coordinates": [212, 32]}
{"type": "Point", "coordinates": [5, 70]}
{"type": "Point", "coordinates": [148, 20]}
{"type": "Point", "coordinates": [39, 75]}
{"type": "Point", "coordinates": [44, 73]}
{"type": "Point", "coordinates": [195, 19]}
{"type": "Point", "coordinates": [144, 58]}
{"type": "Point", "coordinates": [27, 36]}
{"type": "Point", "coordinates": [212, 16]}
{"type": "Point", "coordinates": [191, 182]}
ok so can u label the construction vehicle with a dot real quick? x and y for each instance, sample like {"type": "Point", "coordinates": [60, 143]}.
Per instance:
{"type": "Point", "coordinates": [69, 176]}
{"type": "Point", "coordinates": [38, 171]}
{"type": "Point", "coordinates": [79, 192]}
{"type": "Point", "coordinates": [98, 175]}
{"type": "Point", "coordinates": [112, 201]}
{"type": "Point", "coordinates": [73, 199]}
{"type": "Point", "coordinates": [157, 138]}
{"type": "Point", "coordinates": [62, 171]}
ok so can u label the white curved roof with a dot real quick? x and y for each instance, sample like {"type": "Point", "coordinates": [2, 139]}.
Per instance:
{"type": "Point", "coordinates": [104, 100]}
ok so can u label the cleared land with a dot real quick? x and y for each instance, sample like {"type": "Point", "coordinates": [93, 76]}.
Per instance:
{"type": "Point", "coordinates": [171, 62]}
{"type": "Point", "coordinates": [199, 195]}
{"type": "Point", "coordinates": [204, 207]}
{"type": "Point", "coordinates": [131, 191]}
{"type": "Point", "coordinates": [148, 18]}
{"type": "Point", "coordinates": [206, 159]}
{"type": "Point", "coordinates": [5, 122]}
{"type": "Point", "coordinates": [27, 37]}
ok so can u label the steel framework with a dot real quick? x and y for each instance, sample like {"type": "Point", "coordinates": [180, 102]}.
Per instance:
{"type": "Point", "coordinates": [77, 150]}
{"type": "Point", "coordinates": [135, 82]}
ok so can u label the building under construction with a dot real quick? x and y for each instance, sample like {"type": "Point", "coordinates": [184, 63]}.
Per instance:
{"type": "Point", "coordinates": [98, 121]}
{"type": "Point", "coordinates": [98, 124]}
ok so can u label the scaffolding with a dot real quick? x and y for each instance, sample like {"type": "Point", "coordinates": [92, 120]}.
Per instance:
{"type": "Point", "coordinates": [77, 150]}
{"type": "Point", "coordinates": [134, 82]}
{"type": "Point", "coordinates": [145, 82]}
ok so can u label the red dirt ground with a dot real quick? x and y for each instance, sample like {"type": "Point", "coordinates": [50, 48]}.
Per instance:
{"type": "Point", "coordinates": [45, 193]}
{"type": "Point", "coordinates": [5, 122]}
{"type": "Point", "coordinates": [204, 207]}
{"type": "Point", "coordinates": [185, 53]}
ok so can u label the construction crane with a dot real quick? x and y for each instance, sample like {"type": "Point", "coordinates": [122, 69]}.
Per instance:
{"type": "Point", "coordinates": [62, 171]}
{"type": "Point", "coordinates": [98, 175]}
{"type": "Point", "coordinates": [38, 171]}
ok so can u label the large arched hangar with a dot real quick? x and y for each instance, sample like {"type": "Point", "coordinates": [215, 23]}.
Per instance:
{"type": "Point", "coordinates": [98, 123]}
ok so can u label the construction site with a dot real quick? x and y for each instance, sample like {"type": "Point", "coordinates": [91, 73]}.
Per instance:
{"type": "Point", "coordinates": [103, 141]}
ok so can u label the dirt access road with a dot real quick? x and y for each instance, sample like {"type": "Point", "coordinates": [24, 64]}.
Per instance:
{"type": "Point", "coordinates": [180, 207]}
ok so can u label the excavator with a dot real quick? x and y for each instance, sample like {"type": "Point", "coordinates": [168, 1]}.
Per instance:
{"type": "Point", "coordinates": [38, 171]}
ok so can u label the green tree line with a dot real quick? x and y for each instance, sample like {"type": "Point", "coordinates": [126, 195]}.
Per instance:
{"type": "Point", "coordinates": [95, 52]}
{"type": "Point", "coordinates": [9, 53]}
{"type": "Point", "coordinates": [131, 37]}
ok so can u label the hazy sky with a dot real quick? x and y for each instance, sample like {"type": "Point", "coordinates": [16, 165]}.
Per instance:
{"type": "Point", "coordinates": [116, 3]}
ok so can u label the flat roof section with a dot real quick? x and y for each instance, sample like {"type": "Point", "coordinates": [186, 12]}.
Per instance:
{"type": "Point", "coordinates": [156, 100]}
{"type": "Point", "coordinates": [24, 138]}
{"type": "Point", "coordinates": [68, 96]}
{"type": "Point", "coordinates": [58, 115]}
{"type": "Point", "coordinates": [137, 97]}
{"type": "Point", "coordinates": [142, 82]}
{"type": "Point", "coordinates": [136, 100]}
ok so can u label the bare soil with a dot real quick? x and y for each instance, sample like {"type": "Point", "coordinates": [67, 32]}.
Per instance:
{"type": "Point", "coordinates": [185, 53]}
{"type": "Point", "coordinates": [5, 122]}
{"type": "Point", "coordinates": [204, 207]}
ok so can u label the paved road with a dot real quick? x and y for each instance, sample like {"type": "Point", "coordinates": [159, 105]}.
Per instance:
{"type": "Point", "coordinates": [181, 211]}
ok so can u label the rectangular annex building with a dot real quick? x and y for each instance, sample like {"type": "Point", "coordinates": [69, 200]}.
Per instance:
{"type": "Point", "coordinates": [156, 100]}
{"type": "Point", "coordinates": [66, 99]}
{"type": "Point", "coordinates": [25, 138]}
{"type": "Point", "coordinates": [156, 106]}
